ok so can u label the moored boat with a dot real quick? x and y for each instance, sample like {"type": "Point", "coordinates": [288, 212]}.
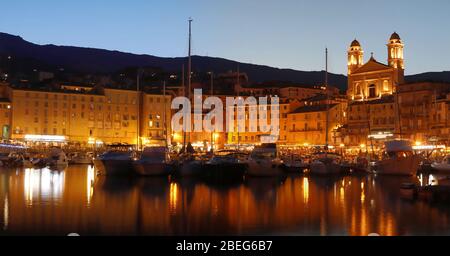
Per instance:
{"type": "Point", "coordinates": [80, 157]}
{"type": "Point", "coordinates": [328, 164]}
{"type": "Point", "coordinates": [295, 164]}
{"type": "Point", "coordinates": [57, 159]}
{"type": "Point", "coordinates": [399, 159]}
{"type": "Point", "coordinates": [154, 161]}
{"type": "Point", "coordinates": [264, 161]}
{"type": "Point", "coordinates": [115, 161]}
{"type": "Point", "coordinates": [190, 165]}
{"type": "Point", "coordinates": [225, 165]}
{"type": "Point", "coordinates": [443, 166]}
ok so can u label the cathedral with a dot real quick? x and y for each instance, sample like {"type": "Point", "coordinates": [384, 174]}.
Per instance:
{"type": "Point", "coordinates": [373, 79]}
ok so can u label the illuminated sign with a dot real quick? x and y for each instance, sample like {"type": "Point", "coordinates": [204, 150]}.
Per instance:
{"type": "Point", "coordinates": [48, 138]}
{"type": "Point", "coordinates": [380, 135]}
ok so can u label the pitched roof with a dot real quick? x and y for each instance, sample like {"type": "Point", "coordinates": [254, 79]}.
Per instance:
{"type": "Point", "coordinates": [372, 65]}
{"type": "Point", "coordinates": [314, 108]}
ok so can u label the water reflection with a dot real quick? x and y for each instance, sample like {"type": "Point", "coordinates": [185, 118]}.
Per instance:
{"type": "Point", "coordinates": [43, 185]}
{"type": "Point", "coordinates": [75, 200]}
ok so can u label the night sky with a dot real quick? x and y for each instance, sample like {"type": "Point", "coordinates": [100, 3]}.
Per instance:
{"type": "Point", "coordinates": [287, 34]}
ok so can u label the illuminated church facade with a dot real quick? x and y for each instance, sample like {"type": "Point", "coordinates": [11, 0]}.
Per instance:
{"type": "Point", "coordinates": [373, 79]}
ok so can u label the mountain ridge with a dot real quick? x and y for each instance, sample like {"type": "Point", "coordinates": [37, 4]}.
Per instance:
{"type": "Point", "coordinates": [96, 60]}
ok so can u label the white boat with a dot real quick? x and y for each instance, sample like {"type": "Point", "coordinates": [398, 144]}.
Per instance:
{"type": "Point", "coordinates": [443, 166]}
{"type": "Point", "coordinates": [80, 158]}
{"type": "Point", "coordinates": [398, 159]}
{"type": "Point", "coordinates": [57, 158]}
{"type": "Point", "coordinates": [116, 161]}
{"type": "Point", "coordinates": [326, 164]}
{"type": "Point", "coordinates": [264, 161]}
{"type": "Point", "coordinates": [153, 162]}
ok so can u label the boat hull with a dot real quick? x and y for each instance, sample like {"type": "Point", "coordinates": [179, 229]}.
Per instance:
{"type": "Point", "coordinates": [144, 168]}
{"type": "Point", "coordinates": [224, 171]}
{"type": "Point", "coordinates": [263, 169]}
{"type": "Point", "coordinates": [295, 168]}
{"type": "Point", "coordinates": [190, 169]}
{"type": "Point", "coordinates": [442, 168]}
{"type": "Point", "coordinates": [114, 167]}
{"type": "Point", "coordinates": [407, 166]}
{"type": "Point", "coordinates": [320, 168]}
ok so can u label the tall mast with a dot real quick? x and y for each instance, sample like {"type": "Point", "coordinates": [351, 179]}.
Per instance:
{"type": "Point", "coordinates": [326, 103]}
{"type": "Point", "coordinates": [212, 93]}
{"type": "Point", "coordinates": [138, 108]}
{"type": "Point", "coordinates": [189, 68]}
{"type": "Point", "coordinates": [238, 94]}
{"type": "Point", "coordinates": [185, 95]}
{"type": "Point", "coordinates": [164, 113]}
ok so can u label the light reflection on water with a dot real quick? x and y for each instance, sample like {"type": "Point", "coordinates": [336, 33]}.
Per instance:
{"type": "Point", "coordinates": [44, 201]}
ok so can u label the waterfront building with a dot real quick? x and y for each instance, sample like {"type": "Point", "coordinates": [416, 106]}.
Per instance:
{"type": "Point", "coordinates": [307, 124]}
{"type": "Point", "coordinates": [84, 115]}
{"type": "Point", "coordinates": [371, 85]}
{"type": "Point", "coordinates": [424, 110]}
{"type": "Point", "coordinates": [247, 138]}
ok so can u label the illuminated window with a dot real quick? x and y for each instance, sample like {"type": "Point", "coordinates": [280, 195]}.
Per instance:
{"type": "Point", "coordinates": [358, 89]}
{"type": "Point", "coordinates": [385, 85]}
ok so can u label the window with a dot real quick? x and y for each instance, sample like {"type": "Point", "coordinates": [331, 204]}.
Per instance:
{"type": "Point", "coordinates": [385, 85]}
{"type": "Point", "coordinates": [358, 89]}
{"type": "Point", "coordinates": [372, 91]}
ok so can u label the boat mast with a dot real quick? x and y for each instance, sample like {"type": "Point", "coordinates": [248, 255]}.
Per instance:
{"type": "Point", "coordinates": [238, 94]}
{"type": "Point", "coordinates": [326, 103]}
{"type": "Point", "coordinates": [189, 69]}
{"type": "Point", "coordinates": [164, 113]}
{"type": "Point", "coordinates": [138, 108]}
{"type": "Point", "coordinates": [185, 95]}
{"type": "Point", "coordinates": [212, 93]}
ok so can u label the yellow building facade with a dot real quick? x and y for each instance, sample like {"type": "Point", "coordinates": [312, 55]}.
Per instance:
{"type": "Point", "coordinates": [372, 80]}
{"type": "Point", "coordinates": [97, 116]}
{"type": "Point", "coordinates": [307, 124]}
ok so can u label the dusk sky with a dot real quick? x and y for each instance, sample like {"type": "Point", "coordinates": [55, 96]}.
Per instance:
{"type": "Point", "coordinates": [285, 34]}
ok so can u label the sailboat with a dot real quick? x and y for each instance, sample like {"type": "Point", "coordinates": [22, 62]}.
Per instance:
{"type": "Point", "coordinates": [326, 163]}
{"type": "Point", "coordinates": [155, 161]}
{"type": "Point", "coordinates": [190, 165]}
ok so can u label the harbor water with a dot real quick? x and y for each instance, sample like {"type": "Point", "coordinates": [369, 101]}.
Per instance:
{"type": "Point", "coordinates": [76, 200]}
